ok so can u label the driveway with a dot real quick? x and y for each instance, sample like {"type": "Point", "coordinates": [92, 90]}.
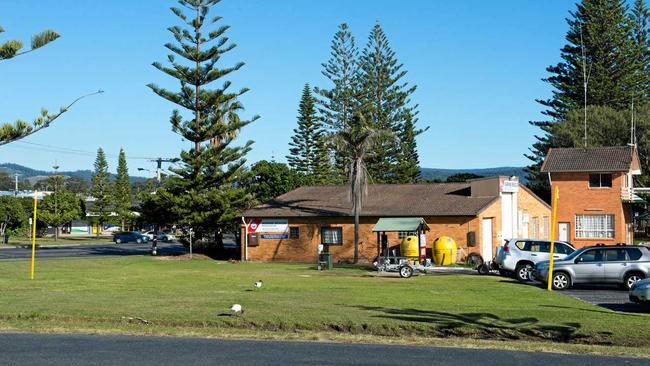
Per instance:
{"type": "Point", "coordinates": [73, 350]}
{"type": "Point", "coordinates": [610, 297]}
{"type": "Point", "coordinates": [92, 250]}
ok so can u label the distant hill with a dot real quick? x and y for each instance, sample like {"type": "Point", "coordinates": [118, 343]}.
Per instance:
{"type": "Point", "coordinates": [442, 174]}
{"type": "Point", "coordinates": [33, 175]}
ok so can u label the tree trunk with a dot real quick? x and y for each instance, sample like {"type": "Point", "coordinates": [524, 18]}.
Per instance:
{"type": "Point", "coordinates": [56, 233]}
{"type": "Point", "coordinates": [355, 260]}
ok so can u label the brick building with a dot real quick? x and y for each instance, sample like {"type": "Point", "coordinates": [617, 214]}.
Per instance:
{"type": "Point", "coordinates": [478, 214]}
{"type": "Point", "coordinates": [596, 193]}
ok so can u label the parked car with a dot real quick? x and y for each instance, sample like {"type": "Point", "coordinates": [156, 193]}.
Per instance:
{"type": "Point", "coordinates": [640, 292]}
{"type": "Point", "coordinates": [614, 264]}
{"type": "Point", "coordinates": [130, 237]}
{"type": "Point", "coordinates": [519, 256]}
{"type": "Point", "coordinates": [162, 236]}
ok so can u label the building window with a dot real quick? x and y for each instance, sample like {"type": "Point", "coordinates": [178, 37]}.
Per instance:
{"type": "Point", "coordinates": [545, 226]}
{"type": "Point", "coordinates": [595, 226]}
{"type": "Point", "coordinates": [600, 180]}
{"type": "Point", "coordinates": [294, 232]}
{"type": "Point", "coordinates": [404, 234]}
{"type": "Point", "coordinates": [535, 228]}
{"type": "Point", "coordinates": [331, 235]}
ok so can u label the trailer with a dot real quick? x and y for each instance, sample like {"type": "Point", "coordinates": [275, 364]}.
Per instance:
{"type": "Point", "coordinates": [388, 260]}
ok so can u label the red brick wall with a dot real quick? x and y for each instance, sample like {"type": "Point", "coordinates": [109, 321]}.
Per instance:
{"type": "Point", "coordinates": [576, 197]}
{"type": "Point", "coordinates": [304, 249]}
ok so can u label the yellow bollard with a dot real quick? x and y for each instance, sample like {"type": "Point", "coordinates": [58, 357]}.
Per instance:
{"type": "Point", "coordinates": [34, 233]}
{"type": "Point", "coordinates": [556, 194]}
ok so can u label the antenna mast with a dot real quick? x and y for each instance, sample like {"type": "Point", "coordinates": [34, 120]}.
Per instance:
{"type": "Point", "coordinates": [584, 82]}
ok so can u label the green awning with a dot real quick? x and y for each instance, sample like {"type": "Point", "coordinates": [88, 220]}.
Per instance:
{"type": "Point", "coordinates": [400, 224]}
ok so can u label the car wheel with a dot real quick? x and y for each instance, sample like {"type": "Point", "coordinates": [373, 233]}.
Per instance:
{"type": "Point", "coordinates": [522, 272]}
{"type": "Point", "coordinates": [139, 241]}
{"type": "Point", "coordinates": [118, 241]}
{"type": "Point", "coordinates": [483, 269]}
{"type": "Point", "coordinates": [631, 279]}
{"type": "Point", "coordinates": [405, 271]}
{"type": "Point", "coordinates": [561, 281]}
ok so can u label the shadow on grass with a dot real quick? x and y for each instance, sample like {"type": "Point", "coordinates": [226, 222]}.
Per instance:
{"type": "Point", "coordinates": [488, 326]}
{"type": "Point", "coordinates": [628, 309]}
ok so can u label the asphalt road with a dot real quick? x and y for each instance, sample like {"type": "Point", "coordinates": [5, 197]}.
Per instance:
{"type": "Point", "coordinates": [92, 250]}
{"type": "Point", "coordinates": [73, 350]}
{"type": "Point", "coordinates": [610, 297]}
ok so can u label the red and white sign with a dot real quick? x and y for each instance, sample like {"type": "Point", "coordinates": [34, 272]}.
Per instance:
{"type": "Point", "coordinates": [268, 226]}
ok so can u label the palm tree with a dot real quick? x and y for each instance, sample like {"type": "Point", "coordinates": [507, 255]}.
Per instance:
{"type": "Point", "coordinates": [354, 144]}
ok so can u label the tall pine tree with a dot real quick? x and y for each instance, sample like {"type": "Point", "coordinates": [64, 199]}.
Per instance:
{"type": "Point", "coordinates": [123, 195]}
{"type": "Point", "coordinates": [639, 19]}
{"type": "Point", "coordinates": [101, 190]}
{"type": "Point", "coordinates": [386, 103]}
{"type": "Point", "coordinates": [602, 29]}
{"type": "Point", "coordinates": [205, 192]}
{"type": "Point", "coordinates": [308, 153]}
{"type": "Point", "coordinates": [338, 104]}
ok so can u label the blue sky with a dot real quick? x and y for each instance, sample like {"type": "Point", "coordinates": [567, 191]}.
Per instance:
{"type": "Point", "coordinates": [478, 66]}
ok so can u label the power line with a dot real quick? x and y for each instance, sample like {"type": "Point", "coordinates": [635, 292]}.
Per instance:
{"type": "Point", "coordinates": [70, 151]}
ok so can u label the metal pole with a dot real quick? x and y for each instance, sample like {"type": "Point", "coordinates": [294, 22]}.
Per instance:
{"type": "Point", "coordinates": [16, 186]}
{"type": "Point", "coordinates": [158, 167]}
{"type": "Point", "coordinates": [34, 234]}
{"type": "Point", "coordinates": [549, 280]}
{"type": "Point", "coordinates": [190, 243]}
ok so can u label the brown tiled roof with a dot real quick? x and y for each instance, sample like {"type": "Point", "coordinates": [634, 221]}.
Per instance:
{"type": "Point", "coordinates": [438, 199]}
{"type": "Point", "coordinates": [591, 159]}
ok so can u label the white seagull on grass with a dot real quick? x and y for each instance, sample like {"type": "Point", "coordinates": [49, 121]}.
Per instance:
{"type": "Point", "coordinates": [237, 309]}
{"type": "Point", "coordinates": [258, 284]}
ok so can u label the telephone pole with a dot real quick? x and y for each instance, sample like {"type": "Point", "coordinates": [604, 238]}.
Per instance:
{"type": "Point", "coordinates": [159, 162]}
{"type": "Point", "coordinates": [16, 184]}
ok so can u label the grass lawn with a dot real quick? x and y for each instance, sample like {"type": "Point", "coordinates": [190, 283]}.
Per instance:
{"type": "Point", "coordinates": [110, 295]}
{"type": "Point", "coordinates": [65, 240]}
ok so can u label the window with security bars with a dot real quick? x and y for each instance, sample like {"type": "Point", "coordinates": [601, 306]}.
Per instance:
{"type": "Point", "coordinates": [404, 234]}
{"type": "Point", "coordinates": [595, 226]}
{"type": "Point", "coordinates": [331, 235]}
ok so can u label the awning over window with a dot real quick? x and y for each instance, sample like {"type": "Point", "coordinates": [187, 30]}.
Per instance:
{"type": "Point", "coordinates": [400, 224]}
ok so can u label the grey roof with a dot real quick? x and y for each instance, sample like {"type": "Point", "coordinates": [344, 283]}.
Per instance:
{"type": "Point", "coordinates": [591, 159]}
{"type": "Point", "coordinates": [383, 200]}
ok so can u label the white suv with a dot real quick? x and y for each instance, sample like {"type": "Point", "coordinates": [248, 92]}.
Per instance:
{"type": "Point", "coordinates": [519, 256]}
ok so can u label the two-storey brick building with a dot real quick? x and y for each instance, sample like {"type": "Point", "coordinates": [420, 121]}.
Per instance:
{"type": "Point", "coordinates": [596, 193]}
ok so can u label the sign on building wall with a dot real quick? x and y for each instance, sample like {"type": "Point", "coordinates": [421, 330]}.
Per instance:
{"type": "Point", "coordinates": [509, 186]}
{"type": "Point", "coordinates": [269, 226]}
{"type": "Point", "coordinates": [275, 236]}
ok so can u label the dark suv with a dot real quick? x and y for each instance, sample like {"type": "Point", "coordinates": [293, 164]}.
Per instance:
{"type": "Point", "coordinates": [614, 264]}
{"type": "Point", "coordinates": [130, 237]}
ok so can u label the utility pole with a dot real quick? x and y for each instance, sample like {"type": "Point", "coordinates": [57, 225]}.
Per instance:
{"type": "Point", "coordinates": [16, 186]}
{"type": "Point", "coordinates": [159, 162]}
{"type": "Point", "coordinates": [56, 200]}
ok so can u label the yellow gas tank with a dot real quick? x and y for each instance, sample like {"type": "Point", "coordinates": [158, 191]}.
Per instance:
{"type": "Point", "coordinates": [444, 251]}
{"type": "Point", "coordinates": [410, 247]}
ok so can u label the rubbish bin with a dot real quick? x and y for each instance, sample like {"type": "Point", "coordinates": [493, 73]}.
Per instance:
{"type": "Point", "coordinates": [324, 261]}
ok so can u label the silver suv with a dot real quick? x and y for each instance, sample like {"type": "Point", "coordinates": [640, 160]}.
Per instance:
{"type": "Point", "coordinates": [519, 256]}
{"type": "Point", "coordinates": [614, 264]}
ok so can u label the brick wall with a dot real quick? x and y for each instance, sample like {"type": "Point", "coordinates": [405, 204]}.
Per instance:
{"type": "Point", "coordinates": [576, 197]}
{"type": "Point", "coordinates": [304, 249]}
